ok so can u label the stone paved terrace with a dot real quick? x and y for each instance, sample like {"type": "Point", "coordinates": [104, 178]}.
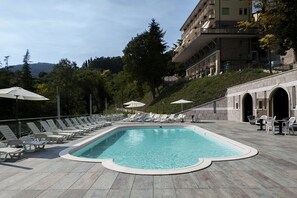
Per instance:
{"type": "Point", "coordinates": [272, 173]}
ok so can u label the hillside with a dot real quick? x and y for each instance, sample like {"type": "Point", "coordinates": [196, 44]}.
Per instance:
{"type": "Point", "coordinates": [36, 68]}
{"type": "Point", "coordinates": [200, 91]}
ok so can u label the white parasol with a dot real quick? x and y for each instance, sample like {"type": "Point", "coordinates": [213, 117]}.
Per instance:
{"type": "Point", "coordinates": [19, 93]}
{"type": "Point", "coordinates": [181, 102]}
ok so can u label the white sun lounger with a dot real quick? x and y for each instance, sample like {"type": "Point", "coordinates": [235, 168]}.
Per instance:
{"type": "Point", "coordinates": [28, 143]}
{"type": "Point", "coordinates": [50, 137]}
{"type": "Point", "coordinates": [48, 129]}
{"type": "Point", "coordinates": [11, 152]}
{"type": "Point", "coordinates": [54, 127]}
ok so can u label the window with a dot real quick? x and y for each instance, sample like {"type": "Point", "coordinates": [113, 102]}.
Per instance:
{"type": "Point", "coordinates": [233, 102]}
{"type": "Point", "coordinates": [240, 11]}
{"type": "Point", "coordinates": [245, 11]}
{"type": "Point", "coordinates": [260, 104]}
{"type": "Point", "coordinates": [214, 107]}
{"type": "Point", "coordinates": [225, 11]}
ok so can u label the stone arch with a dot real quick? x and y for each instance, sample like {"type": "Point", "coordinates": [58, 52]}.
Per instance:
{"type": "Point", "coordinates": [247, 106]}
{"type": "Point", "coordinates": [279, 103]}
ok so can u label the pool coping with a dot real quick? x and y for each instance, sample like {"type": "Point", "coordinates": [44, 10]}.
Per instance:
{"type": "Point", "coordinates": [202, 163]}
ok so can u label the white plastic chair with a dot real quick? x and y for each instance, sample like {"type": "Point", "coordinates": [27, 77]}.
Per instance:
{"type": "Point", "coordinates": [289, 125]}
{"type": "Point", "coordinates": [270, 125]}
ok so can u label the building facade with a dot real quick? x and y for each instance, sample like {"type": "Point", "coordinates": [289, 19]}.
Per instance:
{"type": "Point", "coordinates": [272, 96]}
{"type": "Point", "coordinates": [211, 42]}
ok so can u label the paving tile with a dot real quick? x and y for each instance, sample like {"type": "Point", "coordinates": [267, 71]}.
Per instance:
{"type": "Point", "coordinates": [119, 193]}
{"type": "Point", "coordinates": [28, 194]}
{"type": "Point", "coordinates": [85, 181]}
{"type": "Point", "coordinates": [51, 193]}
{"type": "Point", "coordinates": [8, 193]}
{"type": "Point", "coordinates": [96, 194]}
{"type": "Point", "coordinates": [74, 193]}
{"type": "Point", "coordinates": [164, 193]}
{"type": "Point", "coordinates": [184, 181]}
{"type": "Point", "coordinates": [66, 181]}
{"type": "Point", "coordinates": [123, 181]}
{"type": "Point", "coordinates": [106, 180]}
{"type": "Point", "coordinates": [143, 182]}
{"type": "Point", "coordinates": [163, 182]}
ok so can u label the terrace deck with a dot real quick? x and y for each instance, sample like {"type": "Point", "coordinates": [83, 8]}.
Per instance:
{"type": "Point", "coordinates": [272, 173]}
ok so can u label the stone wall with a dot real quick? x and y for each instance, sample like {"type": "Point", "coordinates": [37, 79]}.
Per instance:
{"type": "Point", "coordinates": [214, 110]}
{"type": "Point", "coordinates": [262, 91]}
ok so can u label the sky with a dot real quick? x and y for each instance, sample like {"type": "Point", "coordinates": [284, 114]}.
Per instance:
{"type": "Point", "coordinates": [80, 29]}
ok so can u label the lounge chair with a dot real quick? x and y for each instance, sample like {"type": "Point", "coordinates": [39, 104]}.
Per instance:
{"type": "Point", "coordinates": [71, 124]}
{"type": "Point", "coordinates": [64, 127]}
{"type": "Point", "coordinates": [87, 123]}
{"type": "Point", "coordinates": [129, 118]}
{"type": "Point", "coordinates": [27, 143]}
{"type": "Point", "coordinates": [78, 122]}
{"type": "Point", "coordinates": [54, 127]}
{"type": "Point", "coordinates": [163, 118]}
{"type": "Point", "coordinates": [48, 129]}
{"type": "Point", "coordinates": [98, 119]}
{"type": "Point", "coordinates": [11, 152]}
{"type": "Point", "coordinates": [48, 136]}
{"type": "Point", "coordinates": [180, 118]}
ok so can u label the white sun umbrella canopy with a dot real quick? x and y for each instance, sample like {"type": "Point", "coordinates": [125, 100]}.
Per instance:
{"type": "Point", "coordinates": [135, 104]}
{"type": "Point", "coordinates": [181, 102]}
{"type": "Point", "coordinates": [19, 93]}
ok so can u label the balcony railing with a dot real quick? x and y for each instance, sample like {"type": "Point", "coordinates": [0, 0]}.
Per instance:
{"type": "Point", "coordinates": [197, 32]}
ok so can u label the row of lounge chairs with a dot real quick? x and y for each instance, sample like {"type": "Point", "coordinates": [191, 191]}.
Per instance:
{"type": "Point", "coordinates": [151, 117]}
{"type": "Point", "coordinates": [51, 132]}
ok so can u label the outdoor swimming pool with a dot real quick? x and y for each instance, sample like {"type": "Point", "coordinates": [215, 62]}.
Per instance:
{"type": "Point", "coordinates": [155, 149]}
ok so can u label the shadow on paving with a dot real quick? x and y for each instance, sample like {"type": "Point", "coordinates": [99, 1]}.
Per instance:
{"type": "Point", "coordinates": [13, 165]}
{"type": "Point", "coordinates": [47, 153]}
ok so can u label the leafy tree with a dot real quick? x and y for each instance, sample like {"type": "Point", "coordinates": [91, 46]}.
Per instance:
{"type": "Point", "coordinates": [114, 64]}
{"type": "Point", "coordinates": [174, 68]}
{"type": "Point", "coordinates": [64, 78]}
{"type": "Point", "coordinates": [277, 25]}
{"type": "Point", "coordinates": [93, 82]}
{"type": "Point", "coordinates": [26, 77]}
{"type": "Point", "coordinates": [124, 89]}
{"type": "Point", "coordinates": [144, 57]}
{"type": "Point", "coordinates": [286, 26]}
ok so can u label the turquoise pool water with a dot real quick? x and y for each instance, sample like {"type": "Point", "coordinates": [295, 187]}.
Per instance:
{"type": "Point", "coordinates": [156, 148]}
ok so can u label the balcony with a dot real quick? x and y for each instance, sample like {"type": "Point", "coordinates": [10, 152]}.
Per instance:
{"type": "Point", "coordinates": [200, 37]}
{"type": "Point", "coordinates": [205, 12]}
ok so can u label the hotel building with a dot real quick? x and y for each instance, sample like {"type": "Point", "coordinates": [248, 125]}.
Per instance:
{"type": "Point", "coordinates": [212, 44]}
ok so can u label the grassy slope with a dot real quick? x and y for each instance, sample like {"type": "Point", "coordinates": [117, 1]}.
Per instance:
{"type": "Point", "coordinates": [200, 91]}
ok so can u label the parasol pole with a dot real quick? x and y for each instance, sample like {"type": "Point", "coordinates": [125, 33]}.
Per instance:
{"type": "Point", "coordinates": [17, 116]}
{"type": "Point", "coordinates": [58, 104]}
{"type": "Point", "coordinates": [91, 105]}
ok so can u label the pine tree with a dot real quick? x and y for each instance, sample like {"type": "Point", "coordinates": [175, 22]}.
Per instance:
{"type": "Point", "coordinates": [26, 78]}
{"type": "Point", "coordinates": [144, 57]}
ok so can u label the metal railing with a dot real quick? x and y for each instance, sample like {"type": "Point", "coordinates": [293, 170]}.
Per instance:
{"type": "Point", "coordinates": [20, 128]}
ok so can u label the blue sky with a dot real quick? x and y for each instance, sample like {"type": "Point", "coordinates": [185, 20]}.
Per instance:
{"type": "Point", "coordinates": [80, 29]}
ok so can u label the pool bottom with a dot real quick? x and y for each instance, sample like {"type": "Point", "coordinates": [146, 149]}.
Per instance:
{"type": "Point", "coordinates": [201, 164]}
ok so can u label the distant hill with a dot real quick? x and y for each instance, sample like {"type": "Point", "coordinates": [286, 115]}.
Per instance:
{"type": "Point", "coordinates": [36, 68]}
